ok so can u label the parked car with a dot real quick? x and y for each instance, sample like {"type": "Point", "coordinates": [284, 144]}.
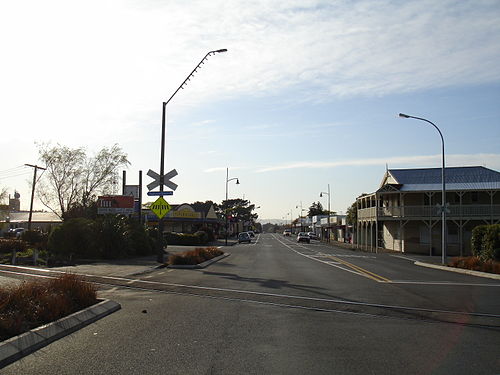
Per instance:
{"type": "Point", "coordinates": [16, 232]}
{"type": "Point", "coordinates": [244, 237]}
{"type": "Point", "coordinates": [251, 233]}
{"type": "Point", "coordinates": [303, 237]}
{"type": "Point", "coordinates": [287, 232]}
{"type": "Point", "coordinates": [312, 235]}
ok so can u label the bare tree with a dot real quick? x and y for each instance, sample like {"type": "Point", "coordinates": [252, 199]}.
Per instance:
{"type": "Point", "coordinates": [3, 194]}
{"type": "Point", "coordinates": [72, 178]}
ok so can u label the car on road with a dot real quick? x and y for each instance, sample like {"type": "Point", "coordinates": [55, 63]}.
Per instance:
{"type": "Point", "coordinates": [312, 235]}
{"type": "Point", "coordinates": [244, 237]}
{"type": "Point", "coordinates": [303, 237]}
{"type": "Point", "coordinates": [287, 232]}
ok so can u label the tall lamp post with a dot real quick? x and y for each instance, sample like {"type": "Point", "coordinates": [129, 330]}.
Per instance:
{"type": "Point", "coordinates": [300, 215]}
{"type": "Point", "coordinates": [227, 182]}
{"type": "Point", "coordinates": [162, 152]}
{"type": "Point", "coordinates": [328, 226]}
{"type": "Point", "coordinates": [443, 188]}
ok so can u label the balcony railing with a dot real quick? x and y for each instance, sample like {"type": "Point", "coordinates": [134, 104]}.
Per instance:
{"type": "Point", "coordinates": [454, 211]}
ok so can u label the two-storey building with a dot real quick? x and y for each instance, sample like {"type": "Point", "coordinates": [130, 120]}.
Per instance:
{"type": "Point", "coordinates": [404, 214]}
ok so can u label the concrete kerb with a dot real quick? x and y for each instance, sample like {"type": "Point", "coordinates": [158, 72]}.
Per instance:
{"type": "Point", "coordinates": [459, 270]}
{"type": "Point", "coordinates": [20, 346]}
{"type": "Point", "coordinates": [201, 265]}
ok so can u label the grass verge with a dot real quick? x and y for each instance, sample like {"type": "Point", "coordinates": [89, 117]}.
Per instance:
{"type": "Point", "coordinates": [476, 264]}
{"type": "Point", "coordinates": [196, 256]}
{"type": "Point", "coordinates": [34, 303]}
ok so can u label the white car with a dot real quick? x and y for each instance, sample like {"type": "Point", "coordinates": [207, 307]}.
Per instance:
{"type": "Point", "coordinates": [303, 237]}
{"type": "Point", "coordinates": [16, 232]}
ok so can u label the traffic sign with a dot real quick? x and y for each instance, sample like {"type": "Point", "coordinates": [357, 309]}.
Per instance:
{"type": "Point", "coordinates": [159, 193]}
{"type": "Point", "coordinates": [160, 207]}
{"type": "Point", "coordinates": [166, 179]}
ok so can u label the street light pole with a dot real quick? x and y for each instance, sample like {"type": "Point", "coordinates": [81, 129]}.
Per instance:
{"type": "Point", "coordinates": [162, 152]}
{"type": "Point", "coordinates": [227, 182]}
{"type": "Point", "coordinates": [300, 215]}
{"type": "Point", "coordinates": [328, 226]}
{"type": "Point", "coordinates": [443, 187]}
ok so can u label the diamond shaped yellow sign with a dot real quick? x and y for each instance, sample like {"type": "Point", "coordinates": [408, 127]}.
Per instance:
{"type": "Point", "coordinates": [160, 207]}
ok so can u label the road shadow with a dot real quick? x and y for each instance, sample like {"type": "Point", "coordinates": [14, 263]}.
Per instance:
{"type": "Point", "coordinates": [274, 284]}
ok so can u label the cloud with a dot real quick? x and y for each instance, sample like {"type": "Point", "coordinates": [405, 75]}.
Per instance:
{"type": "Point", "coordinates": [489, 160]}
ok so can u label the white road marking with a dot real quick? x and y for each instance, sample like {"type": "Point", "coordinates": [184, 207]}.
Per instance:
{"type": "Point", "coordinates": [329, 263]}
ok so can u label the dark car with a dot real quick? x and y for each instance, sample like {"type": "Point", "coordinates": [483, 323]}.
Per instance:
{"type": "Point", "coordinates": [312, 236]}
{"type": "Point", "coordinates": [244, 237]}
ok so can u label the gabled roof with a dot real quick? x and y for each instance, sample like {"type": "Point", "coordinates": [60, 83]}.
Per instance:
{"type": "Point", "coordinates": [456, 178]}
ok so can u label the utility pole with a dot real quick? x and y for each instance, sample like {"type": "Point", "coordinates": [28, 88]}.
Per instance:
{"type": "Point", "coordinates": [36, 168]}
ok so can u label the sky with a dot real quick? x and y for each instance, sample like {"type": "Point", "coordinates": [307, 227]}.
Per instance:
{"type": "Point", "coordinates": [306, 97]}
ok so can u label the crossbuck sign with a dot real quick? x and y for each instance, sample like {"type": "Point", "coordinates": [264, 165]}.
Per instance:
{"type": "Point", "coordinates": [166, 179]}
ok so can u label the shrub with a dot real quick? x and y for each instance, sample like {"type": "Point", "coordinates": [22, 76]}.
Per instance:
{"type": "Point", "coordinates": [198, 238]}
{"type": "Point", "coordinates": [209, 232]}
{"type": "Point", "coordinates": [477, 239]}
{"type": "Point", "coordinates": [139, 241]}
{"type": "Point", "coordinates": [9, 245]}
{"type": "Point", "coordinates": [75, 237]}
{"type": "Point", "coordinates": [491, 243]}
{"type": "Point", "coordinates": [485, 242]}
{"type": "Point", "coordinates": [196, 256]}
{"type": "Point", "coordinates": [476, 264]}
{"type": "Point", "coordinates": [34, 303]}
{"type": "Point", "coordinates": [111, 238]}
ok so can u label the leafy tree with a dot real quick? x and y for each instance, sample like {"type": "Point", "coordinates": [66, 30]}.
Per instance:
{"type": "Point", "coordinates": [73, 180]}
{"type": "Point", "coordinates": [316, 209]}
{"type": "Point", "coordinates": [240, 209]}
{"type": "Point", "coordinates": [352, 215]}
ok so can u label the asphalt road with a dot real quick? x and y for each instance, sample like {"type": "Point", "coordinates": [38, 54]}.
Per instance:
{"type": "Point", "coordinates": [278, 307]}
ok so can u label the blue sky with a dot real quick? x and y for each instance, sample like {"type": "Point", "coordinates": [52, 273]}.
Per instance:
{"type": "Point", "coordinates": [307, 95]}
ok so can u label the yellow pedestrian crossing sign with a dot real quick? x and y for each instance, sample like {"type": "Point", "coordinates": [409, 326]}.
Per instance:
{"type": "Point", "coordinates": [160, 207]}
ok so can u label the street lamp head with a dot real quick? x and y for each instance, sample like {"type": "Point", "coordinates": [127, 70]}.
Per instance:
{"type": "Point", "coordinates": [237, 182]}
{"type": "Point", "coordinates": [321, 195]}
{"type": "Point", "coordinates": [221, 50]}
{"type": "Point", "coordinates": [403, 115]}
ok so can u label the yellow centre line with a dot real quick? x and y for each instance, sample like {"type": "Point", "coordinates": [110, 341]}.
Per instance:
{"type": "Point", "coordinates": [364, 272]}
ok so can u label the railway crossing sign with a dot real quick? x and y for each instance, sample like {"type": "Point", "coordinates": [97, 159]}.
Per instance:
{"type": "Point", "coordinates": [160, 207]}
{"type": "Point", "coordinates": [166, 179]}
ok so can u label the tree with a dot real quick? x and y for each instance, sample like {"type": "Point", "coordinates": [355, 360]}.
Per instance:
{"type": "Point", "coordinates": [316, 209]}
{"type": "Point", "coordinates": [73, 179]}
{"type": "Point", "coordinates": [3, 194]}
{"type": "Point", "coordinates": [239, 209]}
{"type": "Point", "coordinates": [352, 215]}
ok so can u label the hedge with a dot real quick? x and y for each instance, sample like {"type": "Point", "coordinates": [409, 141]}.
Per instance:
{"type": "Point", "coordinates": [198, 238]}
{"type": "Point", "coordinates": [485, 242]}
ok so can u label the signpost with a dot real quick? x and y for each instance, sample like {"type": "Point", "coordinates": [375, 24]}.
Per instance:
{"type": "Point", "coordinates": [159, 193]}
{"type": "Point", "coordinates": [160, 207]}
{"type": "Point", "coordinates": [115, 204]}
{"type": "Point", "coordinates": [166, 179]}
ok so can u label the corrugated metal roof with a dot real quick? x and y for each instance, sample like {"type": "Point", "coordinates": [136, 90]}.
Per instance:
{"type": "Point", "coordinates": [457, 178]}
